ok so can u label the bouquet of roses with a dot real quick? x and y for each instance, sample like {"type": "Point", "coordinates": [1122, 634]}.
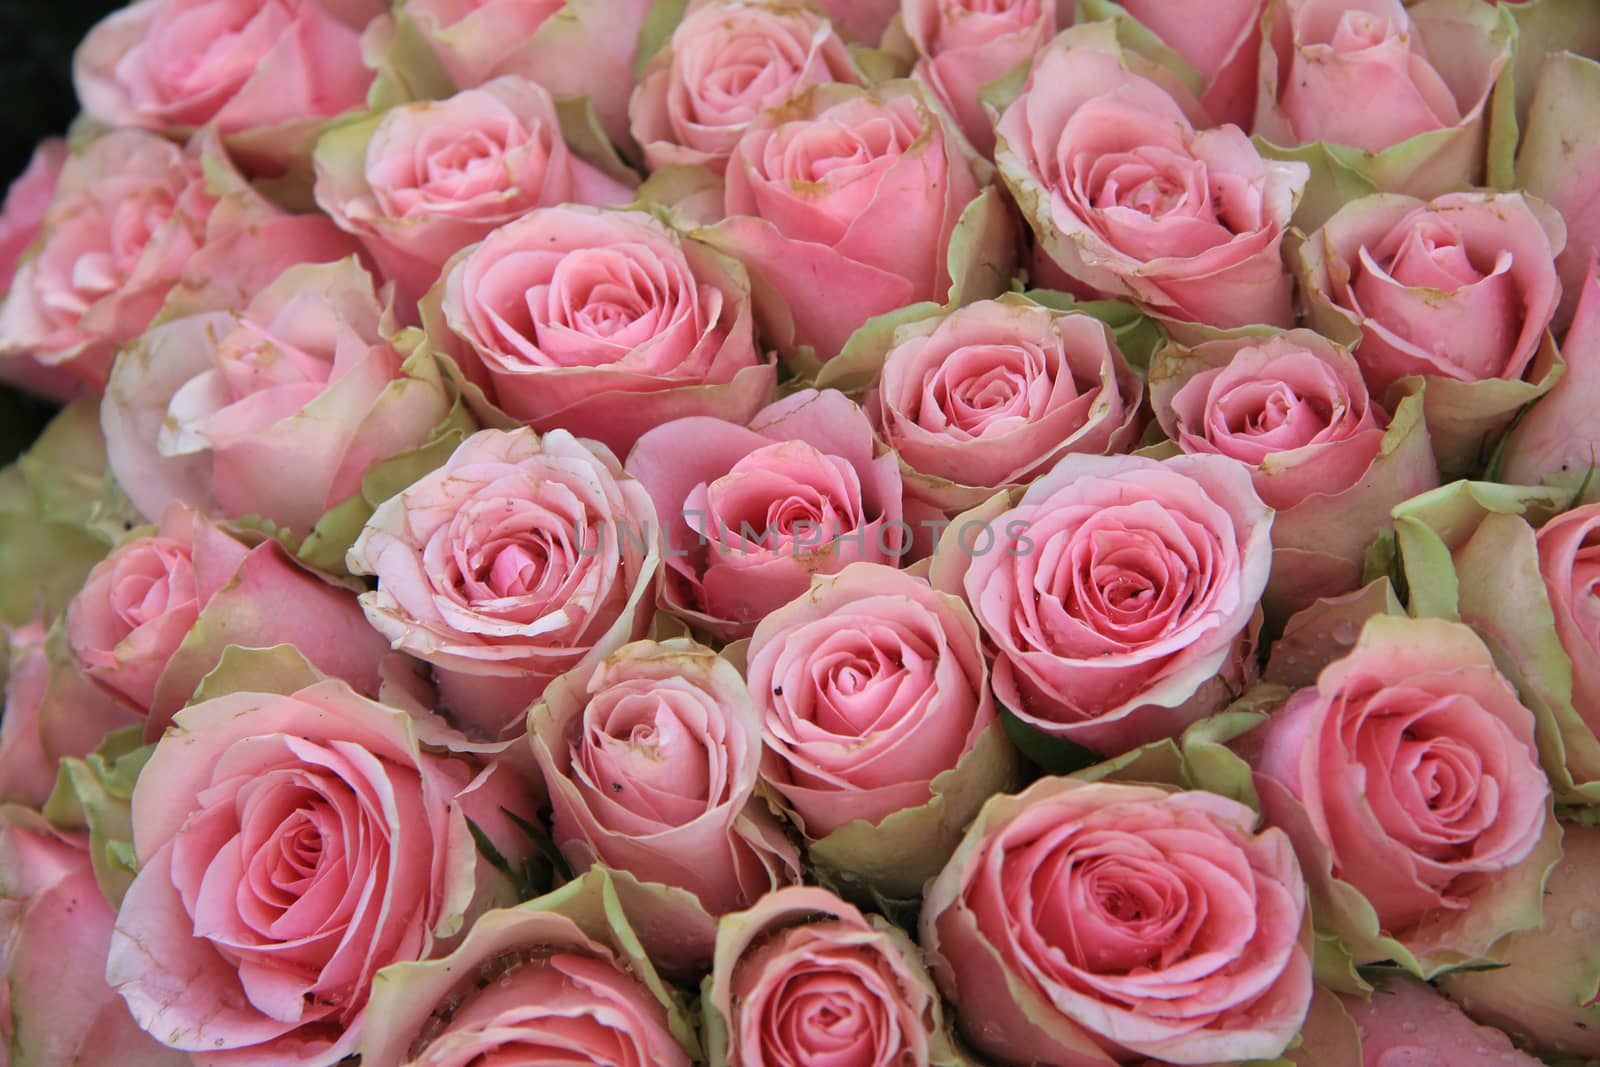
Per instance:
{"type": "Point", "coordinates": [774, 533]}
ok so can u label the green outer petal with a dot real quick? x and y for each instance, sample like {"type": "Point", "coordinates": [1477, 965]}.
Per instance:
{"type": "Point", "coordinates": [1325, 631]}
{"type": "Point", "coordinates": [281, 669]}
{"type": "Point", "coordinates": [983, 249]}
{"type": "Point", "coordinates": [1467, 419]}
{"type": "Point", "coordinates": [407, 67]}
{"type": "Point", "coordinates": [96, 794]}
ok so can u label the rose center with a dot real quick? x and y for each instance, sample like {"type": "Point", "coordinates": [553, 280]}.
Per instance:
{"type": "Point", "coordinates": [1360, 30]}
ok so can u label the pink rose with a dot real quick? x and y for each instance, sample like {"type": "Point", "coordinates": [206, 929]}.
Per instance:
{"type": "Point", "coordinates": [420, 182]}
{"type": "Point", "coordinates": [602, 323]}
{"type": "Point", "coordinates": [55, 929]}
{"type": "Point", "coordinates": [749, 514]}
{"type": "Point", "coordinates": [1221, 41]}
{"type": "Point", "coordinates": [803, 978]}
{"type": "Point", "coordinates": [1129, 201]}
{"type": "Point", "coordinates": [155, 615]}
{"type": "Point", "coordinates": [1119, 594]}
{"type": "Point", "coordinates": [289, 848]}
{"type": "Point", "coordinates": [842, 204]}
{"type": "Point", "coordinates": [1409, 772]}
{"type": "Point", "coordinates": [1569, 563]}
{"type": "Point", "coordinates": [1331, 463]}
{"type": "Point", "coordinates": [265, 73]}
{"type": "Point", "coordinates": [1556, 440]}
{"type": "Point", "coordinates": [212, 409]}
{"type": "Point", "coordinates": [518, 560]}
{"type": "Point", "coordinates": [965, 45]}
{"type": "Point", "coordinates": [1404, 1022]}
{"type": "Point", "coordinates": [27, 200]}
{"type": "Point", "coordinates": [728, 61]}
{"type": "Point", "coordinates": [1086, 923]}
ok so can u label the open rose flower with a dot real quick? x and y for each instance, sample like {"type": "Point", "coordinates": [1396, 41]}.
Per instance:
{"type": "Point", "coordinates": [602, 323]}
{"type": "Point", "coordinates": [1129, 201]}
{"type": "Point", "coordinates": [803, 978]}
{"type": "Point", "coordinates": [1221, 41]}
{"type": "Point", "coordinates": [215, 409]}
{"type": "Point", "coordinates": [1096, 923]}
{"type": "Point", "coordinates": [420, 182]}
{"type": "Point", "coordinates": [750, 513]}
{"type": "Point", "coordinates": [842, 204]}
{"type": "Point", "coordinates": [876, 710]}
{"type": "Point", "coordinates": [1119, 593]}
{"type": "Point", "coordinates": [728, 61]}
{"type": "Point", "coordinates": [1405, 1022]}
{"type": "Point", "coordinates": [1460, 290]}
{"type": "Point", "coordinates": [557, 980]}
{"type": "Point", "coordinates": [265, 73]}
{"type": "Point", "coordinates": [154, 617]}
{"type": "Point", "coordinates": [290, 847]}
{"type": "Point", "coordinates": [1409, 775]}
{"type": "Point", "coordinates": [55, 929]}
{"type": "Point", "coordinates": [1330, 462]}
{"type": "Point", "coordinates": [651, 763]}
{"type": "Point", "coordinates": [1377, 75]}
{"type": "Point", "coordinates": [519, 559]}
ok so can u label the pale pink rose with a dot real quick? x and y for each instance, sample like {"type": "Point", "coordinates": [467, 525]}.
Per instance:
{"type": "Point", "coordinates": [215, 409]}
{"type": "Point", "coordinates": [1569, 563]}
{"type": "Point", "coordinates": [289, 848]}
{"type": "Point", "coordinates": [1128, 200]}
{"type": "Point", "coordinates": [728, 61]}
{"type": "Point", "coordinates": [842, 204]}
{"type": "Point", "coordinates": [651, 763]}
{"type": "Point", "coordinates": [1409, 771]}
{"type": "Point", "coordinates": [1220, 40]}
{"type": "Point", "coordinates": [27, 199]}
{"type": "Point", "coordinates": [963, 45]}
{"type": "Point", "coordinates": [803, 978]}
{"type": "Point", "coordinates": [1404, 1023]}
{"type": "Point", "coordinates": [266, 74]}
{"type": "Point", "coordinates": [154, 617]}
{"type": "Point", "coordinates": [1119, 594]}
{"type": "Point", "coordinates": [750, 513]}
{"type": "Point", "coordinates": [56, 1009]}
{"type": "Point", "coordinates": [420, 182]}
{"type": "Point", "coordinates": [1092, 923]}
{"type": "Point", "coordinates": [862, 20]}
{"type": "Point", "coordinates": [602, 323]}
{"type": "Point", "coordinates": [518, 560]}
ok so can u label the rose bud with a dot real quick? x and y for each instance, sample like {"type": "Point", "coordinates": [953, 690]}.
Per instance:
{"type": "Point", "coordinates": [651, 762]}
{"type": "Point", "coordinates": [1547, 994]}
{"type": "Point", "coordinates": [602, 323]}
{"type": "Point", "coordinates": [1559, 162]}
{"type": "Point", "coordinates": [1460, 290]}
{"type": "Point", "coordinates": [155, 615]}
{"type": "Point", "coordinates": [289, 848]}
{"type": "Point", "coordinates": [963, 47]}
{"type": "Point", "coordinates": [1407, 86]}
{"type": "Point", "coordinates": [1329, 462]}
{"type": "Point", "coordinates": [419, 182]}
{"type": "Point", "coordinates": [1405, 1022]}
{"type": "Point", "coordinates": [881, 734]}
{"type": "Point", "coordinates": [728, 61]}
{"type": "Point", "coordinates": [1408, 778]}
{"type": "Point", "coordinates": [1098, 922]}
{"type": "Point", "coordinates": [843, 205]}
{"type": "Point", "coordinates": [212, 409]}
{"type": "Point", "coordinates": [750, 513]}
{"type": "Point", "coordinates": [803, 978]}
{"type": "Point", "coordinates": [1221, 41]}
{"type": "Point", "coordinates": [55, 928]}
{"type": "Point", "coordinates": [1118, 594]}
{"type": "Point", "coordinates": [559, 979]}
{"type": "Point", "coordinates": [273, 73]}
{"type": "Point", "coordinates": [518, 560]}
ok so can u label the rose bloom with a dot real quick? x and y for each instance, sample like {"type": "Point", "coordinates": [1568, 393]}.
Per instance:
{"type": "Point", "coordinates": [519, 559]}
{"type": "Point", "coordinates": [154, 617]}
{"type": "Point", "coordinates": [728, 61]}
{"type": "Point", "coordinates": [750, 513]}
{"type": "Point", "coordinates": [1089, 922]}
{"type": "Point", "coordinates": [1129, 201]}
{"type": "Point", "coordinates": [290, 847]}
{"type": "Point", "coordinates": [213, 409]}
{"type": "Point", "coordinates": [1119, 594]}
{"type": "Point", "coordinates": [651, 764]}
{"type": "Point", "coordinates": [1405, 1021]}
{"type": "Point", "coordinates": [419, 182]}
{"type": "Point", "coordinates": [1411, 767]}
{"type": "Point", "coordinates": [994, 393]}
{"type": "Point", "coordinates": [265, 73]}
{"type": "Point", "coordinates": [1221, 41]}
{"type": "Point", "coordinates": [1569, 563]}
{"type": "Point", "coordinates": [803, 978]}
{"type": "Point", "coordinates": [842, 205]}
{"type": "Point", "coordinates": [603, 323]}
{"type": "Point", "coordinates": [55, 928]}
